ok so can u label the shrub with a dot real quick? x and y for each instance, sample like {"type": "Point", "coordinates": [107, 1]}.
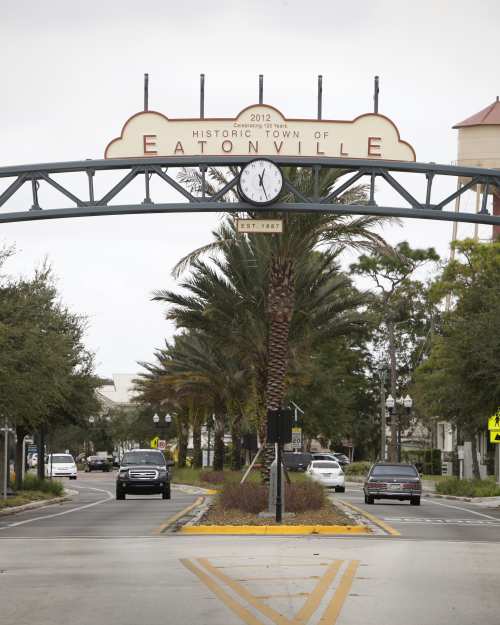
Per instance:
{"type": "Point", "coordinates": [247, 497]}
{"type": "Point", "coordinates": [55, 487]}
{"type": "Point", "coordinates": [213, 477]}
{"type": "Point", "coordinates": [468, 488]}
{"type": "Point", "coordinates": [304, 496]}
{"type": "Point", "coordinates": [357, 468]}
{"type": "Point", "coordinates": [253, 498]}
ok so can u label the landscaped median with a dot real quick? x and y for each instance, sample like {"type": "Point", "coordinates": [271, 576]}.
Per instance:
{"type": "Point", "coordinates": [32, 493]}
{"type": "Point", "coordinates": [243, 509]}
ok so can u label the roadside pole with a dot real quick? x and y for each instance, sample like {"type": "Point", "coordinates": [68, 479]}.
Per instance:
{"type": "Point", "coordinates": [497, 463]}
{"type": "Point", "coordinates": [382, 416]}
{"type": "Point", "coordinates": [5, 459]}
{"type": "Point", "coordinates": [278, 478]}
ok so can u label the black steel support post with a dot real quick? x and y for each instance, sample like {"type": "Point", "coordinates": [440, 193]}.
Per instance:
{"type": "Point", "coordinates": [376, 89]}
{"type": "Point", "coordinates": [278, 478]}
{"type": "Point", "coordinates": [202, 96]}
{"type": "Point", "coordinates": [146, 92]}
{"type": "Point", "coordinates": [261, 88]}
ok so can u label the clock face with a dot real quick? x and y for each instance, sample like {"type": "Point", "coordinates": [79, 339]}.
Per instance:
{"type": "Point", "coordinates": [260, 182]}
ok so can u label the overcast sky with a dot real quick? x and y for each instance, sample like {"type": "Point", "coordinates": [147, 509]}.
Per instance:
{"type": "Point", "coordinates": [71, 74]}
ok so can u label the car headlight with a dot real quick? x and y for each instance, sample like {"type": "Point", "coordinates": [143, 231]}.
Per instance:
{"type": "Point", "coordinates": [162, 472]}
{"type": "Point", "coordinates": [123, 473]}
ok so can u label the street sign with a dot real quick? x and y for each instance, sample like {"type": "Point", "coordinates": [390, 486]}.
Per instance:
{"type": "Point", "coordinates": [494, 421]}
{"type": "Point", "coordinates": [162, 445]}
{"type": "Point", "coordinates": [494, 436]}
{"type": "Point", "coordinates": [296, 438]}
{"type": "Point", "coordinates": [154, 442]}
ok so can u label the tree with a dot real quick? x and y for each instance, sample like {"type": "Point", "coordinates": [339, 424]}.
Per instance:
{"type": "Point", "coordinates": [461, 378]}
{"type": "Point", "coordinates": [45, 372]}
{"type": "Point", "coordinates": [405, 314]}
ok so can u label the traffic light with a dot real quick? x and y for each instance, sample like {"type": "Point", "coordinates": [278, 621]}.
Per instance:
{"type": "Point", "coordinates": [279, 426]}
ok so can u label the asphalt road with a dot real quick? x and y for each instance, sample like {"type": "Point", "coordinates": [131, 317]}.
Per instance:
{"type": "Point", "coordinates": [434, 519]}
{"type": "Point", "coordinates": [97, 560]}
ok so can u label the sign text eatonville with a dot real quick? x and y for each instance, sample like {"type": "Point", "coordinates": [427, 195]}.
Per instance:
{"type": "Point", "coordinates": [260, 130]}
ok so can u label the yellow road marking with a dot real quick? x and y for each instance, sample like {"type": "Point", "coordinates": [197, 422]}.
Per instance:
{"type": "Point", "coordinates": [333, 610]}
{"type": "Point", "coordinates": [314, 599]}
{"type": "Point", "coordinates": [241, 591]}
{"type": "Point", "coordinates": [390, 530]}
{"type": "Point", "coordinates": [246, 616]}
{"type": "Point", "coordinates": [277, 530]}
{"type": "Point", "coordinates": [164, 526]}
{"type": "Point", "coordinates": [329, 616]}
{"type": "Point", "coordinates": [285, 596]}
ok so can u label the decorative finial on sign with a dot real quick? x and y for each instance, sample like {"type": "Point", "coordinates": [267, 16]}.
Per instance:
{"type": "Point", "coordinates": [320, 96]}
{"type": "Point", "coordinates": [261, 88]}
{"type": "Point", "coordinates": [146, 92]}
{"type": "Point", "coordinates": [202, 96]}
{"type": "Point", "coordinates": [375, 95]}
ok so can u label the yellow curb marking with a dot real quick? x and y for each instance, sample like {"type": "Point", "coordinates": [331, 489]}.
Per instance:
{"type": "Point", "coordinates": [390, 530]}
{"type": "Point", "coordinates": [314, 599]}
{"type": "Point", "coordinates": [164, 526]}
{"type": "Point", "coordinates": [337, 601]}
{"type": "Point", "coordinates": [311, 605]}
{"type": "Point", "coordinates": [246, 616]}
{"type": "Point", "coordinates": [276, 530]}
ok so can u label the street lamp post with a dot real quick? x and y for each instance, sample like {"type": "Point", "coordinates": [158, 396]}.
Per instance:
{"type": "Point", "coordinates": [390, 404]}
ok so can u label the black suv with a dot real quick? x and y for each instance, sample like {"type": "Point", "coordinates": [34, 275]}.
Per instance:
{"type": "Point", "coordinates": [143, 472]}
{"type": "Point", "coordinates": [296, 461]}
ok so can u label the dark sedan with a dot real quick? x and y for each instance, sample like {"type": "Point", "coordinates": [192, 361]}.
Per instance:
{"type": "Point", "coordinates": [96, 463]}
{"type": "Point", "coordinates": [393, 481]}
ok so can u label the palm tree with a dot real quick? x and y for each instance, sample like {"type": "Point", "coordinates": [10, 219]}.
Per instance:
{"type": "Point", "coordinates": [288, 253]}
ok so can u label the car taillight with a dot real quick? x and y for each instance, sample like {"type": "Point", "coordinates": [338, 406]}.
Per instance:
{"type": "Point", "coordinates": [411, 485]}
{"type": "Point", "coordinates": [376, 484]}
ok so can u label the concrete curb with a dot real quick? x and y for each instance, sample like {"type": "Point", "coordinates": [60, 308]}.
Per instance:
{"type": "Point", "coordinates": [274, 530]}
{"type": "Point", "coordinates": [172, 520]}
{"type": "Point", "coordinates": [36, 504]}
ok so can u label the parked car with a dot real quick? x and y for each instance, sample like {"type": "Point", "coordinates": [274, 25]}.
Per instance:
{"type": "Point", "coordinates": [342, 459]}
{"type": "Point", "coordinates": [296, 461]}
{"type": "Point", "coordinates": [328, 473]}
{"type": "Point", "coordinates": [97, 463]}
{"type": "Point", "coordinates": [60, 465]}
{"type": "Point", "coordinates": [143, 472]}
{"type": "Point", "coordinates": [393, 481]}
{"type": "Point", "coordinates": [324, 456]}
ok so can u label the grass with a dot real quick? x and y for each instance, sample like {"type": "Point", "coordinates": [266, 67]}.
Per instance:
{"type": "Point", "coordinates": [468, 488]}
{"type": "Point", "coordinates": [207, 478]}
{"type": "Point", "coordinates": [33, 489]}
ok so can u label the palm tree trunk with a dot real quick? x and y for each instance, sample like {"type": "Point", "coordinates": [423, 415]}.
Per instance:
{"type": "Point", "coordinates": [236, 443]}
{"type": "Point", "coordinates": [20, 434]}
{"type": "Point", "coordinates": [281, 296]}
{"type": "Point", "coordinates": [197, 451]}
{"type": "Point", "coordinates": [218, 443]}
{"type": "Point", "coordinates": [182, 441]}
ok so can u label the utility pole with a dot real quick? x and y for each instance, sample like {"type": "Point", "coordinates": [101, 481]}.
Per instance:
{"type": "Point", "coordinates": [5, 459]}
{"type": "Point", "coordinates": [382, 415]}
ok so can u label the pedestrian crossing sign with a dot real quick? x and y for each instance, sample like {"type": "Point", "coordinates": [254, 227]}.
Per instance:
{"type": "Point", "coordinates": [154, 442]}
{"type": "Point", "coordinates": [494, 421]}
{"type": "Point", "coordinates": [494, 436]}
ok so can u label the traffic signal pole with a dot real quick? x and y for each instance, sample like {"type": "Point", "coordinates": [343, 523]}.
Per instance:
{"type": "Point", "coordinates": [278, 480]}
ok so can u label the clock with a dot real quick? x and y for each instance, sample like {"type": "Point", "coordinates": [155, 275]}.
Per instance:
{"type": "Point", "coordinates": [260, 182]}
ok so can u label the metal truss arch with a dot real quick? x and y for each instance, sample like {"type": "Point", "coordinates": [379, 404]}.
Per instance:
{"type": "Point", "coordinates": [430, 206]}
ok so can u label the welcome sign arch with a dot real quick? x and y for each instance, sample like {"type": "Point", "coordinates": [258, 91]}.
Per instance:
{"type": "Point", "coordinates": [150, 144]}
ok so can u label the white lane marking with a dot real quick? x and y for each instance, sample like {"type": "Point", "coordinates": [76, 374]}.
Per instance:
{"type": "Point", "coordinates": [446, 505]}
{"type": "Point", "coordinates": [51, 516]}
{"type": "Point", "coordinates": [423, 521]}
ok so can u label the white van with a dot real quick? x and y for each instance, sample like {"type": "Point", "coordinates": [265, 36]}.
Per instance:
{"type": "Point", "coordinates": [60, 465]}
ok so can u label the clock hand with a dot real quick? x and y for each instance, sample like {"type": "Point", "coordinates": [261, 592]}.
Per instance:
{"type": "Point", "coordinates": [261, 182]}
